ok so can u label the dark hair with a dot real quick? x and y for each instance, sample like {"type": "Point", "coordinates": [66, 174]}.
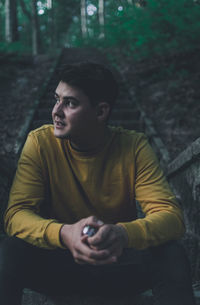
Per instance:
{"type": "Point", "coordinates": [95, 80]}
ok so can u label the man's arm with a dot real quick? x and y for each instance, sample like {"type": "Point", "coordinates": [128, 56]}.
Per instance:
{"type": "Point", "coordinates": [163, 217]}
{"type": "Point", "coordinates": [27, 195]}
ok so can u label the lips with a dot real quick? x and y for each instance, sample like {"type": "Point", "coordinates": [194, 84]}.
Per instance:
{"type": "Point", "coordinates": [59, 124]}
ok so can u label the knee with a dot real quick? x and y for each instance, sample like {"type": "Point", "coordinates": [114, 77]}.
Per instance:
{"type": "Point", "coordinates": [11, 255]}
{"type": "Point", "coordinates": [171, 260]}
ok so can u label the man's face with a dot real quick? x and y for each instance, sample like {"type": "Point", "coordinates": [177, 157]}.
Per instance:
{"type": "Point", "coordinates": [73, 115]}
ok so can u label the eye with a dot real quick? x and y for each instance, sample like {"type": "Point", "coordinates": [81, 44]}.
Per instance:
{"type": "Point", "coordinates": [70, 103]}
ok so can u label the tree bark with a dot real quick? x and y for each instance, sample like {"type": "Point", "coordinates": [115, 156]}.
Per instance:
{"type": "Point", "coordinates": [11, 24]}
{"type": "Point", "coordinates": [101, 18]}
{"type": "Point", "coordinates": [51, 24]}
{"type": "Point", "coordinates": [24, 9]}
{"type": "Point", "coordinates": [83, 19]}
{"type": "Point", "coordinates": [14, 21]}
{"type": "Point", "coordinates": [35, 29]}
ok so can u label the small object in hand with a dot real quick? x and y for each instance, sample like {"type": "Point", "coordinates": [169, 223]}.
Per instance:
{"type": "Point", "coordinates": [89, 230]}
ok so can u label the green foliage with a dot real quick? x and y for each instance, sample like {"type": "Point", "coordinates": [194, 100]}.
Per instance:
{"type": "Point", "coordinates": [53, 24]}
{"type": "Point", "coordinates": [15, 47]}
{"type": "Point", "coordinates": [161, 27]}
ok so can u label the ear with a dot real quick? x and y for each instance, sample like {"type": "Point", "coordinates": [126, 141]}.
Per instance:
{"type": "Point", "coordinates": [102, 111]}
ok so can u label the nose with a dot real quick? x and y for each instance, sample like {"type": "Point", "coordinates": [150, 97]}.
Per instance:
{"type": "Point", "coordinates": [58, 110]}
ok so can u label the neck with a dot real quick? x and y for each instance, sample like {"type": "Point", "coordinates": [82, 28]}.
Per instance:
{"type": "Point", "coordinates": [92, 142]}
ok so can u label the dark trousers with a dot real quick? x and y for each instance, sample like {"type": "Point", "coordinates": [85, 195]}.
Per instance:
{"type": "Point", "coordinates": [164, 269]}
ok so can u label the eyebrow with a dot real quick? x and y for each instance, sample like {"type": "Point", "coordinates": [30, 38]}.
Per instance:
{"type": "Point", "coordinates": [68, 97]}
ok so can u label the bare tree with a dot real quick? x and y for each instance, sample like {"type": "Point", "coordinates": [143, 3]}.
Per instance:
{"type": "Point", "coordinates": [51, 22]}
{"type": "Point", "coordinates": [101, 18]}
{"type": "Point", "coordinates": [33, 17]}
{"type": "Point", "coordinates": [11, 24]}
{"type": "Point", "coordinates": [83, 19]}
{"type": "Point", "coordinates": [35, 28]}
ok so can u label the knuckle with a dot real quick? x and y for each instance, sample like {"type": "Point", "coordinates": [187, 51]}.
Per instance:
{"type": "Point", "coordinates": [97, 239]}
{"type": "Point", "coordinates": [76, 246]}
{"type": "Point", "coordinates": [75, 255]}
{"type": "Point", "coordinates": [93, 218]}
{"type": "Point", "coordinates": [91, 255]}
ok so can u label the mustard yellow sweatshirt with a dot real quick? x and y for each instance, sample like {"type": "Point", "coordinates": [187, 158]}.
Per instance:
{"type": "Point", "coordinates": [55, 184]}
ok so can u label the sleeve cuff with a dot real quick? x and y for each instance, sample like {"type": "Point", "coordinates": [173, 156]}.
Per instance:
{"type": "Point", "coordinates": [136, 234]}
{"type": "Point", "coordinates": [52, 235]}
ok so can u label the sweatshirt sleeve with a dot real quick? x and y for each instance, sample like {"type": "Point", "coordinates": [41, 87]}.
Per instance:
{"type": "Point", "coordinates": [22, 217]}
{"type": "Point", "coordinates": [163, 219]}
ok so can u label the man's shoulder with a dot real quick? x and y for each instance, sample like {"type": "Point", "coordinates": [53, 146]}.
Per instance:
{"type": "Point", "coordinates": [43, 136]}
{"type": "Point", "coordinates": [42, 131]}
{"type": "Point", "coordinates": [128, 135]}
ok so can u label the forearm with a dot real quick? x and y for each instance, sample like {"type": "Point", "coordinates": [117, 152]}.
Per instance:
{"type": "Point", "coordinates": [31, 227]}
{"type": "Point", "coordinates": [154, 229]}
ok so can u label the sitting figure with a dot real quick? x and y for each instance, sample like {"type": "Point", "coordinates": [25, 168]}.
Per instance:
{"type": "Point", "coordinates": [71, 219]}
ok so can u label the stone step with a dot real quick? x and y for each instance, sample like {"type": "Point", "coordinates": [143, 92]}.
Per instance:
{"type": "Point", "coordinates": [44, 113]}
{"type": "Point", "coordinates": [127, 124]}
{"type": "Point", "coordinates": [48, 101]}
{"type": "Point", "coordinates": [32, 298]}
{"type": "Point", "coordinates": [39, 123]}
{"type": "Point", "coordinates": [124, 114]}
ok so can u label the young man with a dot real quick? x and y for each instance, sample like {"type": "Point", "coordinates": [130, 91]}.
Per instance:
{"type": "Point", "coordinates": [80, 171]}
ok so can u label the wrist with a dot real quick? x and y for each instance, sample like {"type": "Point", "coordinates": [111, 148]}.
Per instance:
{"type": "Point", "coordinates": [63, 234]}
{"type": "Point", "coordinates": [124, 235]}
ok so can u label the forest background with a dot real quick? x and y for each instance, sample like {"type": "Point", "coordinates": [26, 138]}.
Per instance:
{"type": "Point", "coordinates": [141, 28]}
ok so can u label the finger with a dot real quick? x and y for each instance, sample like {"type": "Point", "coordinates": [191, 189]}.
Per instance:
{"type": "Point", "coordinates": [80, 262]}
{"type": "Point", "coordinates": [84, 250]}
{"type": "Point", "coordinates": [84, 238]}
{"type": "Point", "coordinates": [100, 238]}
{"type": "Point", "coordinates": [106, 243]}
{"type": "Point", "coordinates": [87, 260]}
{"type": "Point", "coordinates": [93, 221]}
{"type": "Point", "coordinates": [115, 250]}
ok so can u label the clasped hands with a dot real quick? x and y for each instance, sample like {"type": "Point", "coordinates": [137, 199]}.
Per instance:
{"type": "Point", "coordinates": [103, 248]}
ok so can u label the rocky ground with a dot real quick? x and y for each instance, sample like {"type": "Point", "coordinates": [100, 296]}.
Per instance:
{"type": "Point", "coordinates": [168, 90]}
{"type": "Point", "coordinates": [21, 79]}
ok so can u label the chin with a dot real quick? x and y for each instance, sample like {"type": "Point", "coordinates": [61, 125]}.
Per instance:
{"type": "Point", "coordinates": [61, 135]}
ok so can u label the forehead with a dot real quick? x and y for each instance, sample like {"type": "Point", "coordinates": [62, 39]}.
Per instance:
{"type": "Point", "coordinates": [65, 90]}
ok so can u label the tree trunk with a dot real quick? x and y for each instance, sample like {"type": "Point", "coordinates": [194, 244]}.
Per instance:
{"type": "Point", "coordinates": [8, 22]}
{"type": "Point", "coordinates": [15, 33]}
{"type": "Point", "coordinates": [11, 24]}
{"type": "Point", "coordinates": [83, 19]}
{"type": "Point", "coordinates": [35, 28]}
{"type": "Point", "coordinates": [51, 24]}
{"type": "Point", "coordinates": [101, 18]}
{"type": "Point", "coordinates": [49, 4]}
